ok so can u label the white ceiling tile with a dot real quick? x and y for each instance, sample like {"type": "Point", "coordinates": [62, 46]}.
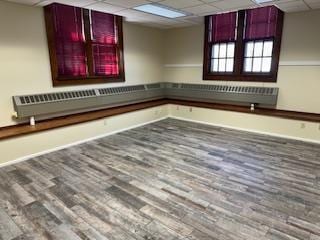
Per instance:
{"type": "Point", "coordinates": [196, 20]}
{"type": "Point", "coordinates": [314, 4]}
{"type": "Point", "coordinates": [210, 1]}
{"type": "Point", "coordinates": [312, 1]}
{"type": "Point", "coordinates": [293, 6]}
{"type": "Point", "coordinates": [77, 3]}
{"type": "Point", "coordinates": [26, 2]}
{"type": "Point", "coordinates": [201, 9]}
{"type": "Point", "coordinates": [127, 3]}
{"type": "Point", "coordinates": [181, 3]}
{"type": "Point", "coordinates": [233, 4]}
{"type": "Point", "coordinates": [134, 13]}
{"type": "Point", "coordinates": [196, 8]}
{"type": "Point", "coordinates": [104, 7]}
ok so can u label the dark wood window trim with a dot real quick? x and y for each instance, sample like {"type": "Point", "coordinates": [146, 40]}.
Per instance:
{"type": "Point", "coordinates": [90, 78]}
{"type": "Point", "coordinates": [239, 74]}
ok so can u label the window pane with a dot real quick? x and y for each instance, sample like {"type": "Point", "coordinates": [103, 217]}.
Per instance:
{"type": "Point", "coordinates": [229, 67]}
{"type": "Point", "coordinates": [256, 65]}
{"type": "Point", "coordinates": [267, 49]}
{"type": "Point", "coordinates": [222, 65]}
{"type": "Point", "coordinates": [249, 49]}
{"type": "Point", "coordinates": [230, 51]}
{"type": "Point", "coordinates": [223, 50]}
{"type": "Point", "coordinates": [215, 51]}
{"type": "Point", "coordinates": [214, 65]}
{"type": "Point", "coordinates": [266, 64]}
{"type": "Point", "coordinates": [258, 47]}
{"type": "Point", "coordinates": [248, 65]}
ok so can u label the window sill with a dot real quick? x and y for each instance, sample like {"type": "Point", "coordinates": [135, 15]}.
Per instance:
{"type": "Point", "coordinates": [240, 78]}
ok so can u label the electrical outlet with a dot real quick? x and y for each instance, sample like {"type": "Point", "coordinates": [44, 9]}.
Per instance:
{"type": "Point", "coordinates": [303, 126]}
{"type": "Point", "coordinates": [190, 109]}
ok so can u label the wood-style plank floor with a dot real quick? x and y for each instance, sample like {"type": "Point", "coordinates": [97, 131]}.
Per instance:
{"type": "Point", "coordinates": [164, 181]}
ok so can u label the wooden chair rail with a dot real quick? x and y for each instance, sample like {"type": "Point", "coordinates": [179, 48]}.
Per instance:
{"type": "Point", "coordinates": [293, 115]}
{"type": "Point", "coordinates": [24, 129]}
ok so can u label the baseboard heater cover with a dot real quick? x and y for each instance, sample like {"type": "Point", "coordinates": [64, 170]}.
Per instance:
{"type": "Point", "coordinates": [237, 95]}
{"type": "Point", "coordinates": [48, 105]}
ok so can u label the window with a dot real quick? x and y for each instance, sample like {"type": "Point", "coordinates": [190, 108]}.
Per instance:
{"type": "Point", "coordinates": [243, 45]}
{"type": "Point", "coordinates": [85, 46]}
{"type": "Point", "coordinates": [222, 57]}
{"type": "Point", "coordinates": [222, 38]}
{"type": "Point", "coordinates": [258, 56]}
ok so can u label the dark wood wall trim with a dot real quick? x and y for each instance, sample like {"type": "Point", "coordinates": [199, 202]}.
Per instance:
{"type": "Point", "coordinates": [292, 115]}
{"type": "Point", "coordinates": [24, 129]}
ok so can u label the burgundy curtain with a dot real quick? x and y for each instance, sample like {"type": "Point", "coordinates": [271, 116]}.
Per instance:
{"type": "Point", "coordinates": [69, 39]}
{"type": "Point", "coordinates": [223, 27]}
{"type": "Point", "coordinates": [261, 22]}
{"type": "Point", "coordinates": [104, 38]}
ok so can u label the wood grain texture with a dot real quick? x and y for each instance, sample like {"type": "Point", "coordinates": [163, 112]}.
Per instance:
{"type": "Point", "coordinates": [166, 181]}
{"type": "Point", "coordinates": [23, 129]}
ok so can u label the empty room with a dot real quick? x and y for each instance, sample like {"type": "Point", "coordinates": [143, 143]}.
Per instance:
{"type": "Point", "coordinates": [160, 120]}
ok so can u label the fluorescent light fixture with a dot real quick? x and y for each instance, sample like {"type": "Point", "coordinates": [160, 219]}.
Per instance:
{"type": "Point", "coordinates": [263, 1]}
{"type": "Point", "coordinates": [160, 10]}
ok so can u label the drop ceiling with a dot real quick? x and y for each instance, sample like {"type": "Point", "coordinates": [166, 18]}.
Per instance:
{"type": "Point", "coordinates": [197, 8]}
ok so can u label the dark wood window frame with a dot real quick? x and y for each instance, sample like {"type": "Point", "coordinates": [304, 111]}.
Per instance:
{"type": "Point", "coordinates": [238, 74]}
{"type": "Point", "coordinates": [91, 78]}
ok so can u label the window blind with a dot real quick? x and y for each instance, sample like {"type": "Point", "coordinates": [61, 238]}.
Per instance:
{"type": "Point", "coordinates": [223, 27]}
{"type": "Point", "coordinates": [69, 40]}
{"type": "Point", "coordinates": [104, 44]}
{"type": "Point", "coordinates": [261, 23]}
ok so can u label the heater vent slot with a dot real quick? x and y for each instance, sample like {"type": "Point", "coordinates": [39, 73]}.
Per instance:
{"type": "Point", "coordinates": [54, 97]}
{"type": "Point", "coordinates": [154, 86]}
{"type": "Point", "coordinates": [231, 89]}
{"type": "Point", "coordinates": [119, 90]}
{"type": "Point", "coordinates": [64, 103]}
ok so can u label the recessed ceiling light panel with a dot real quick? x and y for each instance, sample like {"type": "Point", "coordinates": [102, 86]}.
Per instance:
{"type": "Point", "coordinates": [161, 10]}
{"type": "Point", "coordinates": [263, 1]}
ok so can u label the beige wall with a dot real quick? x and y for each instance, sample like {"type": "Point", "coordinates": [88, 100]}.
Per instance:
{"type": "Point", "coordinates": [299, 85]}
{"type": "Point", "coordinates": [299, 130]}
{"type": "Point", "coordinates": [39, 143]}
{"type": "Point", "coordinates": [24, 61]}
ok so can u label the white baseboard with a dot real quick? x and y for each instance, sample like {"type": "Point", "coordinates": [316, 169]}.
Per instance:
{"type": "Point", "coordinates": [248, 130]}
{"type": "Point", "coordinates": [25, 158]}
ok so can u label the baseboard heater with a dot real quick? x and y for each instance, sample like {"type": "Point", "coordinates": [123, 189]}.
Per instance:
{"type": "Point", "coordinates": [48, 105]}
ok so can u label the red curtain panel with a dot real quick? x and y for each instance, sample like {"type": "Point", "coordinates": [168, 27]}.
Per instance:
{"type": "Point", "coordinates": [223, 27]}
{"type": "Point", "coordinates": [104, 38]}
{"type": "Point", "coordinates": [69, 39]}
{"type": "Point", "coordinates": [261, 22]}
